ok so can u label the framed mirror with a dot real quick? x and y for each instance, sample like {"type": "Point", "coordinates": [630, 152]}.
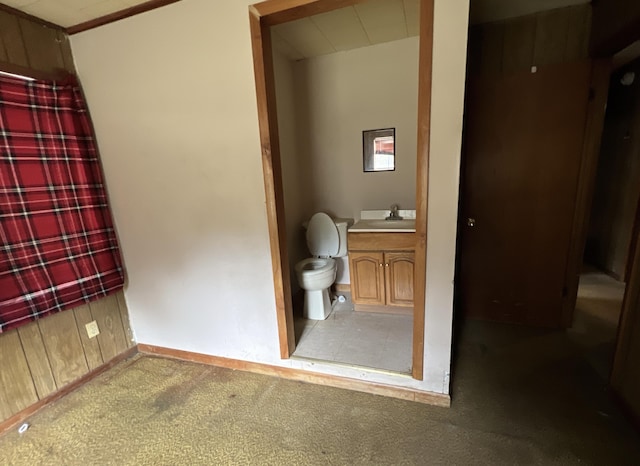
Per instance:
{"type": "Point", "coordinates": [379, 150]}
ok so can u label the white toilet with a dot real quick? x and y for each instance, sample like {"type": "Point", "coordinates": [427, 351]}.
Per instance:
{"type": "Point", "coordinates": [326, 238]}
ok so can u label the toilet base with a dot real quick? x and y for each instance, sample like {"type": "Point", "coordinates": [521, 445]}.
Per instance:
{"type": "Point", "coordinates": [317, 304]}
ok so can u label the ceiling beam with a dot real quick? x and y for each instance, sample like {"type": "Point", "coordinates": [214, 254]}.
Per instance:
{"type": "Point", "coordinates": [118, 15]}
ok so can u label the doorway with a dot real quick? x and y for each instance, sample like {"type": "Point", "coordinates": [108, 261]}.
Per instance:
{"type": "Point", "coordinates": [533, 118]}
{"type": "Point", "coordinates": [612, 234]}
{"type": "Point", "coordinates": [271, 13]}
{"type": "Point", "coordinates": [524, 138]}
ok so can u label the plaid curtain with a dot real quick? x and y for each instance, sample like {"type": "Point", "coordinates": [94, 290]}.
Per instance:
{"type": "Point", "coordinates": [58, 246]}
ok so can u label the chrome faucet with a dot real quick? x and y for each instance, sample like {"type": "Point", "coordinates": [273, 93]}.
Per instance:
{"type": "Point", "coordinates": [393, 214]}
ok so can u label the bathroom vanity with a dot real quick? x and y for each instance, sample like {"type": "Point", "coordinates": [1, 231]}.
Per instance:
{"type": "Point", "coordinates": [381, 265]}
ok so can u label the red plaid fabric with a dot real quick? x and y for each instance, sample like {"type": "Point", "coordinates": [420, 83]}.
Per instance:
{"type": "Point", "coordinates": [59, 248]}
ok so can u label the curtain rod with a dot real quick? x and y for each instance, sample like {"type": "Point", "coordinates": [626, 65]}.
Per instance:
{"type": "Point", "coordinates": [31, 74]}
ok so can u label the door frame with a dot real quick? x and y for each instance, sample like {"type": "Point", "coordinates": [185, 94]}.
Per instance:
{"type": "Point", "coordinates": [270, 13]}
{"type": "Point", "coordinates": [594, 127]}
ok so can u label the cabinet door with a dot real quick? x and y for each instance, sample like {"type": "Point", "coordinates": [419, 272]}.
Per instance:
{"type": "Point", "coordinates": [367, 277]}
{"type": "Point", "coordinates": [399, 278]}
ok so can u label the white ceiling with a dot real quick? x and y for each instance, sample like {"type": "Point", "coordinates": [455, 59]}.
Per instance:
{"type": "Point", "coordinates": [364, 24]}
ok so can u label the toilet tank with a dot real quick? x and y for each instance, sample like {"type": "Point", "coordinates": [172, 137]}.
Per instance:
{"type": "Point", "coordinates": [342, 224]}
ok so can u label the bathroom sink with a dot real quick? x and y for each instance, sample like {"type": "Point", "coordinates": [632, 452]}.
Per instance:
{"type": "Point", "coordinates": [382, 226]}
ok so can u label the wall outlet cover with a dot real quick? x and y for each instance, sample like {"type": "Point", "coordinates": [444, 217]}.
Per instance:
{"type": "Point", "coordinates": [92, 329]}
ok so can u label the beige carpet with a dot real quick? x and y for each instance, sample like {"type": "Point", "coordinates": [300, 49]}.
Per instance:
{"type": "Point", "coordinates": [152, 411]}
{"type": "Point", "coordinates": [520, 396]}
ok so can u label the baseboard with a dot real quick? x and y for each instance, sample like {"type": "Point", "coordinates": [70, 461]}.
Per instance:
{"type": "Point", "coordinates": [342, 287]}
{"type": "Point", "coordinates": [627, 411]}
{"type": "Point", "coordinates": [436, 399]}
{"type": "Point", "coordinates": [398, 310]}
{"type": "Point", "coordinates": [20, 416]}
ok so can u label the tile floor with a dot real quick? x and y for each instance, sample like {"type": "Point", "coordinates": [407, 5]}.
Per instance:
{"type": "Point", "coordinates": [373, 340]}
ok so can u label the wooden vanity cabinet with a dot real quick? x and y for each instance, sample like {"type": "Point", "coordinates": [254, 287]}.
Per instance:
{"type": "Point", "coordinates": [367, 277]}
{"type": "Point", "coordinates": [399, 268]}
{"type": "Point", "coordinates": [381, 267]}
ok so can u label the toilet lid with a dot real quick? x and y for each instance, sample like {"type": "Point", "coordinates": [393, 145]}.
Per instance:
{"type": "Point", "coordinates": [322, 236]}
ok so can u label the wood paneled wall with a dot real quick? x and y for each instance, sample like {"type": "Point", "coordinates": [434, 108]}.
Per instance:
{"type": "Point", "coordinates": [625, 377]}
{"type": "Point", "coordinates": [31, 45]}
{"type": "Point", "coordinates": [554, 36]}
{"type": "Point", "coordinates": [616, 24]}
{"type": "Point", "coordinates": [44, 356]}
{"type": "Point", "coordinates": [617, 190]}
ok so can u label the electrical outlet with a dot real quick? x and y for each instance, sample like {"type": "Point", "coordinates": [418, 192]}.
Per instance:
{"type": "Point", "coordinates": [92, 329]}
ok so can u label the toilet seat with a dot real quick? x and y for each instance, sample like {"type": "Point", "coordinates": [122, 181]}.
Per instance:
{"type": "Point", "coordinates": [323, 239]}
{"type": "Point", "coordinates": [314, 266]}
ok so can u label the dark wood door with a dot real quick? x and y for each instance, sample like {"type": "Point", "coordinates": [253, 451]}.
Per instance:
{"type": "Point", "coordinates": [521, 162]}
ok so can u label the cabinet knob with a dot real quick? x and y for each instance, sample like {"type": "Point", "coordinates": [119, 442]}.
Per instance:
{"type": "Point", "coordinates": [386, 265]}
{"type": "Point", "coordinates": [380, 265]}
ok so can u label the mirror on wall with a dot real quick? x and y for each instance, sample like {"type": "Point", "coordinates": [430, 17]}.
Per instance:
{"type": "Point", "coordinates": [379, 150]}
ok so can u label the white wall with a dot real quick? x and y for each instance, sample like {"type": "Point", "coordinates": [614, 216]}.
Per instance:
{"type": "Point", "coordinates": [449, 61]}
{"type": "Point", "coordinates": [339, 96]}
{"type": "Point", "coordinates": [324, 104]}
{"type": "Point", "coordinates": [172, 97]}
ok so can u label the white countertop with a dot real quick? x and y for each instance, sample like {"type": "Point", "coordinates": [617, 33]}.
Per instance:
{"type": "Point", "coordinates": [373, 221]}
{"type": "Point", "coordinates": [384, 226]}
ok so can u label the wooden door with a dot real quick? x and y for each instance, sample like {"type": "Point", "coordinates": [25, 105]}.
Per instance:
{"type": "Point", "coordinates": [523, 145]}
{"type": "Point", "coordinates": [399, 278]}
{"type": "Point", "coordinates": [367, 277]}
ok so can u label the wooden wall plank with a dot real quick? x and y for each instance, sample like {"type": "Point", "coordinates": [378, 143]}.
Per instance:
{"type": "Point", "coordinates": [512, 45]}
{"type": "Point", "coordinates": [43, 48]}
{"type": "Point", "coordinates": [65, 50]}
{"type": "Point", "coordinates": [126, 323]}
{"type": "Point", "coordinates": [3, 51]}
{"type": "Point", "coordinates": [552, 30]}
{"type": "Point", "coordinates": [91, 346]}
{"type": "Point", "coordinates": [616, 24]}
{"type": "Point", "coordinates": [492, 45]}
{"type": "Point", "coordinates": [37, 359]}
{"type": "Point", "coordinates": [577, 45]}
{"type": "Point", "coordinates": [519, 42]}
{"type": "Point", "coordinates": [62, 341]}
{"type": "Point", "coordinates": [111, 338]}
{"type": "Point", "coordinates": [12, 39]}
{"type": "Point", "coordinates": [16, 385]}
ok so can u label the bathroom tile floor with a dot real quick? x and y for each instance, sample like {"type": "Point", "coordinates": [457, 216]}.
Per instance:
{"type": "Point", "coordinates": [378, 341]}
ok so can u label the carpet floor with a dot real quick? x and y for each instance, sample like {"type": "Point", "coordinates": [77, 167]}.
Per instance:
{"type": "Point", "coordinates": [511, 406]}
{"type": "Point", "coordinates": [520, 396]}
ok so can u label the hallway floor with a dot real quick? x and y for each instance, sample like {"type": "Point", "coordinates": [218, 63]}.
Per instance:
{"type": "Point", "coordinates": [595, 321]}
{"type": "Point", "coordinates": [520, 396]}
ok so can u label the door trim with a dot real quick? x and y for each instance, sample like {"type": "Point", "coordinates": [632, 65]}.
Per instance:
{"type": "Point", "coordinates": [594, 126]}
{"type": "Point", "coordinates": [261, 17]}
